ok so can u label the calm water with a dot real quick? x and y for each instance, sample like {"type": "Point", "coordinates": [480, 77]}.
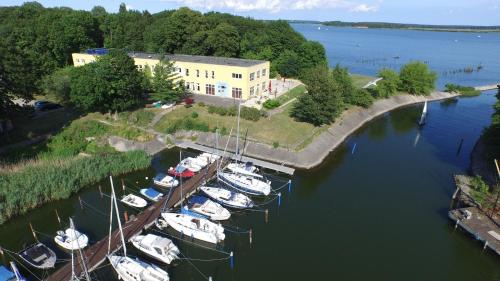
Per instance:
{"type": "Point", "coordinates": [366, 51]}
{"type": "Point", "coordinates": [377, 214]}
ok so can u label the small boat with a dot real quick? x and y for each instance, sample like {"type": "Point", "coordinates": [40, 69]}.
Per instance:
{"type": "Point", "coordinates": [130, 269]}
{"type": "Point", "coordinates": [247, 169]}
{"type": "Point", "coordinates": [8, 275]}
{"type": "Point", "coordinates": [208, 208]}
{"type": "Point", "coordinates": [190, 164]}
{"type": "Point", "coordinates": [228, 198]}
{"type": "Point", "coordinates": [190, 226]}
{"type": "Point", "coordinates": [424, 115]}
{"type": "Point", "coordinates": [38, 256]}
{"type": "Point", "coordinates": [209, 156]}
{"type": "Point", "coordinates": [165, 180]}
{"type": "Point", "coordinates": [157, 247]}
{"type": "Point", "coordinates": [151, 194]}
{"type": "Point", "coordinates": [245, 183]}
{"type": "Point", "coordinates": [199, 161]}
{"type": "Point", "coordinates": [134, 201]}
{"type": "Point", "coordinates": [71, 239]}
{"type": "Point", "coordinates": [181, 172]}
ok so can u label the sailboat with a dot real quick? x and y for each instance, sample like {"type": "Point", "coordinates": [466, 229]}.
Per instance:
{"type": "Point", "coordinates": [71, 239]}
{"type": "Point", "coordinates": [228, 198]}
{"type": "Point", "coordinates": [207, 208]}
{"type": "Point", "coordinates": [424, 115]}
{"type": "Point", "coordinates": [127, 268]}
{"type": "Point", "coordinates": [157, 247]}
{"type": "Point", "coordinates": [198, 228]}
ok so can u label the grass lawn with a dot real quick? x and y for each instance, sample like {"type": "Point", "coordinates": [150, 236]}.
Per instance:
{"type": "Point", "coordinates": [361, 80]}
{"type": "Point", "coordinates": [291, 94]}
{"type": "Point", "coordinates": [278, 129]}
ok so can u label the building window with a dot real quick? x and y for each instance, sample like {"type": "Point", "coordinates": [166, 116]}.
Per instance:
{"type": "Point", "coordinates": [252, 76]}
{"type": "Point", "coordinates": [192, 86]}
{"type": "Point", "coordinates": [210, 89]}
{"type": "Point", "coordinates": [237, 75]}
{"type": "Point", "coordinates": [263, 86]}
{"type": "Point", "coordinates": [251, 91]}
{"type": "Point", "coordinates": [179, 70]}
{"type": "Point", "coordinates": [197, 73]}
{"type": "Point", "coordinates": [198, 87]}
{"type": "Point", "coordinates": [236, 93]}
{"type": "Point", "coordinates": [187, 85]}
{"type": "Point", "coordinates": [213, 74]}
{"type": "Point", "coordinates": [263, 72]}
{"type": "Point", "coordinates": [258, 73]}
{"type": "Point", "coordinates": [187, 72]}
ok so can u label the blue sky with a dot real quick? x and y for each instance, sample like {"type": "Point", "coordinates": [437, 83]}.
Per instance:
{"type": "Point", "coordinates": [469, 12]}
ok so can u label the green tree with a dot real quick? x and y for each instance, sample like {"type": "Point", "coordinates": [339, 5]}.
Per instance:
{"type": "Point", "coordinates": [58, 84]}
{"type": "Point", "coordinates": [165, 83]}
{"type": "Point", "coordinates": [322, 103]}
{"type": "Point", "coordinates": [288, 64]}
{"type": "Point", "coordinates": [362, 98]}
{"type": "Point", "coordinates": [417, 79]}
{"type": "Point", "coordinates": [111, 83]}
{"type": "Point", "coordinates": [224, 41]}
{"type": "Point", "coordinates": [344, 83]}
{"type": "Point", "coordinates": [389, 84]}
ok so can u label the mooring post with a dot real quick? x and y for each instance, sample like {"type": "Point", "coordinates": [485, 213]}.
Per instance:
{"type": "Point", "coordinates": [266, 212]}
{"type": "Point", "coordinates": [209, 278]}
{"type": "Point", "coordinates": [125, 216]}
{"type": "Point", "coordinates": [58, 218]}
{"type": "Point", "coordinates": [123, 185]}
{"type": "Point", "coordinates": [289, 186]}
{"type": "Point", "coordinates": [485, 245]}
{"type": "Point", "coordinates": [456, 224]}
{"type": "Point", "coordinates": [231, 260]}
{"type": "Point", "coordinates": [33, 232]}
{"type": "Point", "coordinates": [100, 191]}
{"type": "Point", "coordinates": [250, 236]}
{"type": "Point", "coordinates": [279, 199]}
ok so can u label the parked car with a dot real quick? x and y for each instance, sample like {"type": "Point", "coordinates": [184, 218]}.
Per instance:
{"type": "Point", "coordinates": [46, 105]}
{"type": "Point", "coordinates": [188, 101]}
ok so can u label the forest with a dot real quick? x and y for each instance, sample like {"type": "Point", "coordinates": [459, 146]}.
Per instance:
{"type": "Point", "coordinates": [36, 41]}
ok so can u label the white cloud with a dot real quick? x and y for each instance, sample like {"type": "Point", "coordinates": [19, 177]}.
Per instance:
{"type": "Point", "coordinates": [274, 5]}
{"type": "Point", "coordinates": [364, 8]}
{"type": "Point", "coordinates": [129, 7]}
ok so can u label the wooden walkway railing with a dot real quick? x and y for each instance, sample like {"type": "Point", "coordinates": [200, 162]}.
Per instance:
{"type": "Point", "coordinates": [97, 253]}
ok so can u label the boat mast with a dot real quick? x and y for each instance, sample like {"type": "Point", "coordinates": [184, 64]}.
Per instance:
{"type": "Point", "coordinates": [84, 266]}
{"type": "Point", "coordinates": [238, 132]}
{"type": "Point", "coordinates": [16, 271]}
{"type": "Point", "coordinates": [113, 195]}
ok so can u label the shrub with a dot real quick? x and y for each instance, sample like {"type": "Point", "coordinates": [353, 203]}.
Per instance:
{"type": "Point", "coordinates": [462, 90]}
{"type": "Point", "coordinates": [416, 79]}
{"type": "Point", "coordinates": [276, 144]}
{"type": "Point", "coordinates": [388, 86]}
{"type": "Point", "coordinates": [270, 104]}
{"type": "Point", "coordinates": [194, 114]}
{"type": "Point", "coordinates": [247, 113]}
{"type": "Point", "coordinates": [362, 98]}
{"type": "Point", "coordinates": [201, 104]}
{"type": "Point", "coordinates": [188, 124]}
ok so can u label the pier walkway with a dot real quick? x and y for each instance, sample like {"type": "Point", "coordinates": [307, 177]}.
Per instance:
{"type": "Point", "coordinates": [255, 161]}
{"type": "Point", "coordinates": [488, 87]}
{"type": "Point", "coordinates": [97, 253]}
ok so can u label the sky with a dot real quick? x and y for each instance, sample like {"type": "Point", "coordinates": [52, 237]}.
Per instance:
{"type": "Point", "coordinates": [453, 12]}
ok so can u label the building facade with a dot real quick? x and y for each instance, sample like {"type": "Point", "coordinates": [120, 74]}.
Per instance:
{"type": "Point", "coordinates": [217, 76]}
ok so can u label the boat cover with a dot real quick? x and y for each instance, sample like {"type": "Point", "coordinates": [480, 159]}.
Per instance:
{"type": "Point", "coordinates": [151, 192]}
{"type": "Point", "coordinates": [160, 176]}
{"type": "Point", "coordinates": [5, 274]}
{"type": "Point", "coordinates": [196, 199]}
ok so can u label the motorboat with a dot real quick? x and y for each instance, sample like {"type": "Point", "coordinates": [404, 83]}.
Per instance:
{"type": "Point", "coordinates": [134, 201]}
{"type": "Point", "coordinates": [180, 171]}
{"type": "Point", "coordinates": [227, 197]}
{"type": "Point", "coordinates": [190, 164]}
{"type": "Point", "coordinates": [129, 269]}
{"type": "Point", "coordinates": [157, 247]}
{"type": "Point", "coordinates": [71, 239]}
{"type": "Point", "coordinates": [209, 156]}
{"type": "Point", "coordinates": [246, 184]}
{"type": "Point", "coordinates": [199, 228]}
{"type": "Point", "coordinates": [199, 161]}
{"type": "Point", "coordinates": [8, 275]}
{"type": "Point", "coordinates": [208, 208]}
{"type": "Point", "coordinates": [247, 169]}
{"type": "Point", "coordinates": [38, 256]}
{"type": "Point", "coordinates": [165, 180]}
{"type": "Point", "coordinates": [151, 194]}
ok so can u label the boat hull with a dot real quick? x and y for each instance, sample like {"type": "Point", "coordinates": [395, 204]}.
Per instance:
{"type": "Point", "coordinates": [227, 203]}
{"type": "Point", "coordinates": [33, 253]}
{"type": "Point", "coordinates": [240, 187]}
{"type": "Point", "coordinates": [177, 223]}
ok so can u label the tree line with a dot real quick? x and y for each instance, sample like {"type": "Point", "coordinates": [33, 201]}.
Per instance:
{"type": "Point", "coordinates": [37, 41]}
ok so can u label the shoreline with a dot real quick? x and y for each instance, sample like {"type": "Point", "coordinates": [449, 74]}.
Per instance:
{"type": "Point", "coordinates": [479, 165]}
{"type": "Point", "coordinates": [321, 146]}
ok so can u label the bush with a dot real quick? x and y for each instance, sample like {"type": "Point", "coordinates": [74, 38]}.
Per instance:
{"type": "Point", "coordinates": [187, 124]}
{"type": "Point", "coordinates": [416, 79]}
{"type": "Point", "coordinates": [388, 86]}
{"type": "Point", "coordinates": [201, 104]}
{"type": "Point", "coordinates": [462, 90]}
{"type": "Point", "coordinates": [270, 104]}
{"type": "Point", "coordinates": [247, 113]}
{"type": "Point", "coordinates": [194, 114]}
{"type": "Point", "coordinates": [28, 185]}
{"type": "Point", "coordinates": [362, 98]}
{"type": "Point", "coordinates": [276, 144]}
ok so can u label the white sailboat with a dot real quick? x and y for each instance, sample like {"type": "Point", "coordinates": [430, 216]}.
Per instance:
{"type": "Point", "coordinates": [199, 228]}
{"type": "Point", "coordinates": [424, 115]}
{"type": "Point", "coordinates": [157, 247]}
{"type": "Point", "coordinates": [246, 184]}
{"type": "Point", "coordinates": [71, 239]}
{"type": "Point", "coordinates": [190, 164]}
{"type": "Point", "coordinates": [127, 268]}
{"type": "Point", "coordinates": [246, 169]}
{"type": "Point", "coordinates": [228, 198]}
{"type": "Point", "coordinates": [207, 208]}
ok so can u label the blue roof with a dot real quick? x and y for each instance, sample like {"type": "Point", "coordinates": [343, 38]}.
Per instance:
{"type": "Point", "coordinates": [97, 51]}
{"type": "Point", "coordinates": [5, 274]}
{"type": "Point", "coordinates": [197, 199]}
{"type": "Point", "coordinates": [160, 176]}
{"type": "Point", "coordinates": [151, 192]}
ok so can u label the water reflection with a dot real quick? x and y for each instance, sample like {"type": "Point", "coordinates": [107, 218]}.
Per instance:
{"type": "Point", "coordinates": [378, 130]}
{"type": "Point", "coordinates": [404, 120]}
{"type": "Point", "coordinates": [448, 102]}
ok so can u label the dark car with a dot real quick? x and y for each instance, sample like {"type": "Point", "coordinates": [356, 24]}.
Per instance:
{"type": "Point", "coordinates": [46, 105]}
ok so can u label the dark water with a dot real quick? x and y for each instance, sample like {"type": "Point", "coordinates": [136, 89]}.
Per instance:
{"type": "Point", "coordinates": [366, 51]}
{"type": "Point", "coordinates": [378, 214]}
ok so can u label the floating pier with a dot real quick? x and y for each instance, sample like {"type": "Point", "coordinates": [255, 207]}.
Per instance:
{"type": "Point", "coordinates": [97, 253]}
{"type": "Point", "coordinates": [479, 225]}
{"type": "Point", "coordinates": [255, 161]}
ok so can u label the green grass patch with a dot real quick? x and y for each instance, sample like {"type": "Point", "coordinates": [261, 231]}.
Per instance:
{"type": "Point", "coordinates": [462, 90]}
{"type": "Point", "coordinates": [361, 80]}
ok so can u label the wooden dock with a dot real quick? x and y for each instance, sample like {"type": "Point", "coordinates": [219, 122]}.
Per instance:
{"type": "Point", "coordinates": [255, 161]}
{"type": "Point", "coordinates": [482, 227]}
{"type": "Point", "coordinates": [97, 253]}
{"type": "Point", "coordinates": [488, 87]}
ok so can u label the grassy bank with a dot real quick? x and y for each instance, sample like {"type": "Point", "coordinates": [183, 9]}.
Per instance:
{"type": "Point", "coordinates": [29, 184]}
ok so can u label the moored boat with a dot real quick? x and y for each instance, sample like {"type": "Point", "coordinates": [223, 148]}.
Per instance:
{"type": "Point", "coordinates": [134, 201]}
{"type": "Point", "coordinates": [245, 183]}
{"type": "Point", "coordinates": [157, 247]}
{"type": "Point", "coordinates": [130, 269]}
{"type": "Point", "coordinates": [151, 194]}
{"type": "Point", "coordinates": [180, 171]}
{"type": "Point", "coordinates": [38, 256]}
{"type": "Point", "coordinates": [199, 228]}
{"type": "Point", "coordinates": [71, 239]}
{"type": "Point", "coordinates": [208, 208]}
{"type": "Point", "coordinates": [165, 180]}
{"type": "Point", "coordinates": [227, 197]}
{"type": "Point", "coordinates": [247, 169]}
{"type": "Point", "coordinates": [190, 164]}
